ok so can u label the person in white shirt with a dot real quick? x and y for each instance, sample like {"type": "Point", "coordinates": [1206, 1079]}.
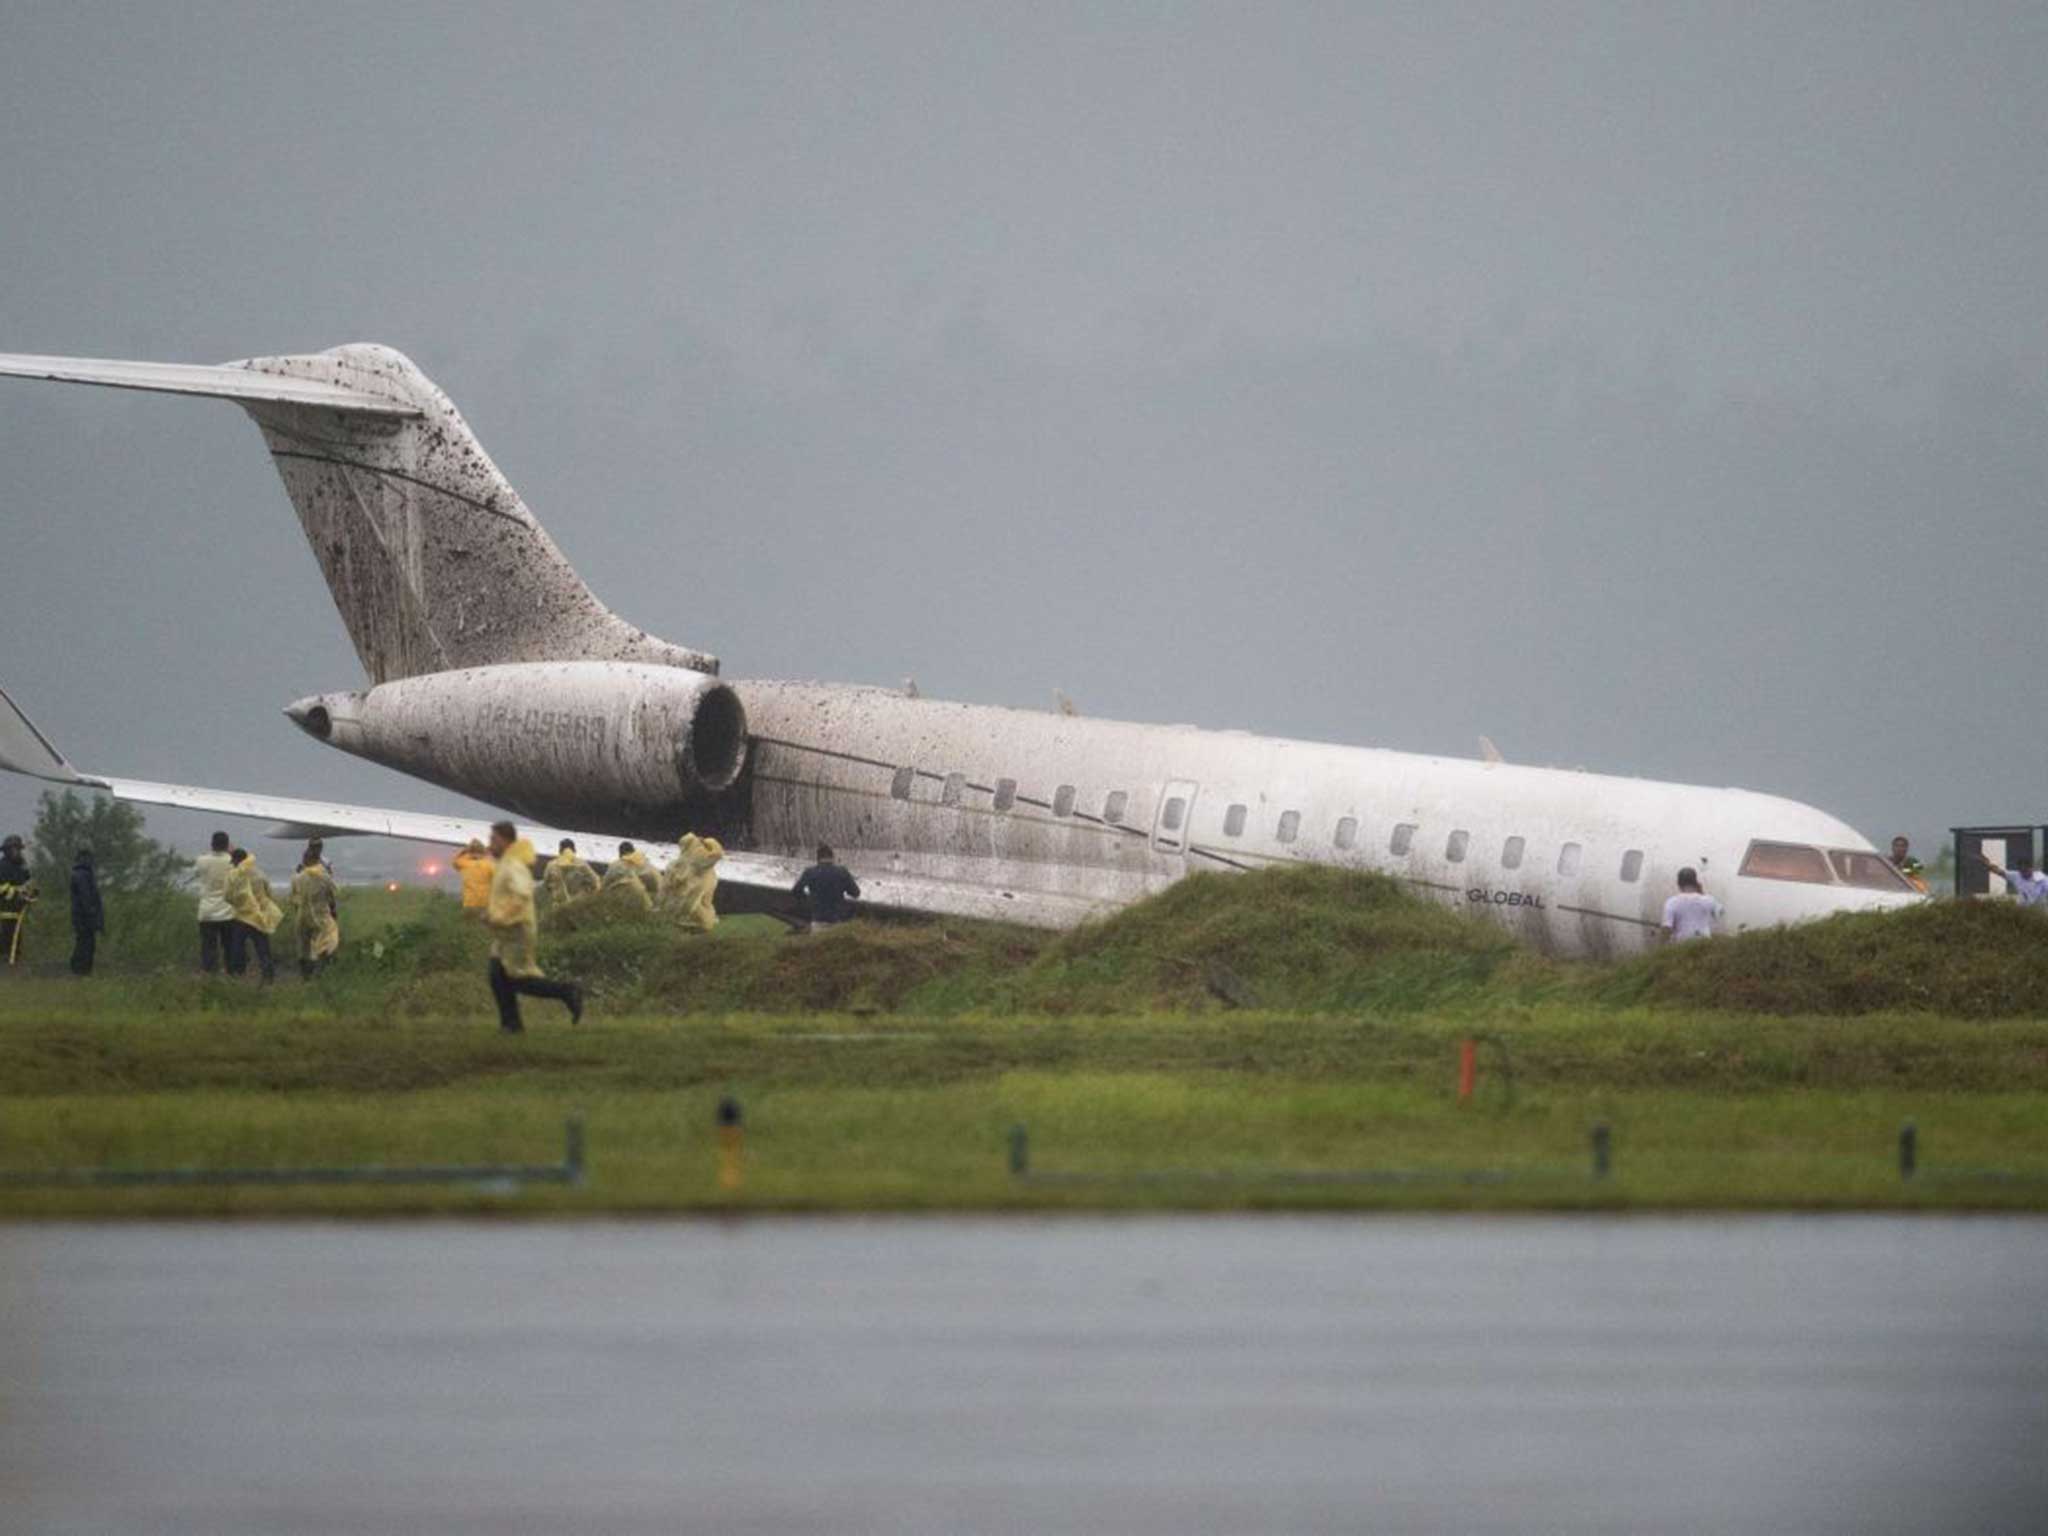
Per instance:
{"type": "Point", "coordinates": [1692, 913]}
{"type": "Point", "coordinates": [216, 916]}
{"type": "Point", "coordinates": [2027, 883]}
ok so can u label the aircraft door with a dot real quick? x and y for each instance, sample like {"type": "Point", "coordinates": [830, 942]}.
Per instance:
{"type": "Point", "coordinates": [1176, 812]}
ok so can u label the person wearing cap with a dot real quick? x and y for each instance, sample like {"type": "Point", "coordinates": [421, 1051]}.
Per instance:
{"type": "Point", "coordinates": [17, 895]}
{"type": "Point", "coordinates": [88, 913]}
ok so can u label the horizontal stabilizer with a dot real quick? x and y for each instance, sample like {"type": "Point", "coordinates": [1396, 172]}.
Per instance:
{"type": "Point", "coordinates": [230, 381]}
{"type": "Point", "coordinates": [24, 749]}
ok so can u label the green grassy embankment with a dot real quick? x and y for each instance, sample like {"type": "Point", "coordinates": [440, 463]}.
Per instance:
{"type": "Point", "coordinates": [1303, 1020]}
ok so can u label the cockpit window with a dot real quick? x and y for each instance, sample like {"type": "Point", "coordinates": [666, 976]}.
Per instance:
{"type": "Point", "coordinates": [1871, 871]}
{"type": "Point", "coordinates": [1786, 861]}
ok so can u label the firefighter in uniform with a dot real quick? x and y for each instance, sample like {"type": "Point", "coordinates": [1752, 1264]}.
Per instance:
{"type": "Point", "coordinates": [17, 895]}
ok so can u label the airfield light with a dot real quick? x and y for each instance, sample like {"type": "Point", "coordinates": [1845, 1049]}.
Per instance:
{"type": "Point", "coordinates": [431, 870]}
{"type": "Point", "coordinates": [391, 885]}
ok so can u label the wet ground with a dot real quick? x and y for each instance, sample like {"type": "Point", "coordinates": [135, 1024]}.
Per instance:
{"type": "Point", "coordinates": [1154, 1375]}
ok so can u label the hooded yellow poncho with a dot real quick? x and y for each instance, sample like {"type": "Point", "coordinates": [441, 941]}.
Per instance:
{"type": "Point", "coordinates": [692, 881]}
{"type": "Point", "coordinates": [319, 933]}
{"type": "Point", "coordinates": [248, 892]}
{"type": "Point", "coordinates": [514, 924]}
{"type": "Point", "coordinates": [476, 866]}
{"type": "Point", "coordinates": [568, 877]}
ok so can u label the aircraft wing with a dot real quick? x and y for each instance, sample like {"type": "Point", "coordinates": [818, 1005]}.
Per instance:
{"type": "Point", "coordinates": [746, 881]}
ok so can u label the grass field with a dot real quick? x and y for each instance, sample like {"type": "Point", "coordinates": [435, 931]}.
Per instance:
{"type": "Point", "coordinates": [1275, 1041]}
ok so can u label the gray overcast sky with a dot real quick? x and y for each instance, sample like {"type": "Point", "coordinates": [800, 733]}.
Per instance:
{"type": "Point", "coordinates": [1654, 389]}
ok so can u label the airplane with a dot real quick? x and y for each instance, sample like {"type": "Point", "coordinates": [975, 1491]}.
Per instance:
{"type": "Point", "coordinates": [493, 670]}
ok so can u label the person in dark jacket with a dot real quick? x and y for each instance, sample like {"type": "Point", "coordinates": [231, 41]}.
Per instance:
{"type": "Point", "coordinates": [828, 889]}
{"type": "Point", "coordinates": [88, 913]}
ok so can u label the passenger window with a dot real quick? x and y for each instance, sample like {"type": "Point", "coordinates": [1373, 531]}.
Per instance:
{"type": "Point", "coordinates": [1454, 849]}
{"type": "Point", "coordinates": [950, 794]}
{"type": "Point", "coordinates": [1347, 831]}
{"type": "Point", "coordinates": [1568, 859]}
{"type": "Point", "coordinates": [1233, 821]}
{"type": "Point", "coordinates": [1402, 840]}
{"type": "Point", "coordinates": [1170, 817]}
{"type": "Point", "coordinates": [899, 787]}
{"type": "Point", "coordinates": [1786, 861]}
{"type": "Point", "coordinates": [1063, 800]}
{"type": "Point", "coordinates": [1511, 853]}
{"type": "Point", "coordinates": [1632, 866]}
{"type": "Point", "coordinates": [1290, 826]}
{"type": "Point", "coordinates": [1113, 808]}
{"type": "Point", "coordinates": [1006, 793]}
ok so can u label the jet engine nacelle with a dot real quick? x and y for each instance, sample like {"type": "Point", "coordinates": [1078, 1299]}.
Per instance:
{"type": "Point", "coordinates": [547, 737]}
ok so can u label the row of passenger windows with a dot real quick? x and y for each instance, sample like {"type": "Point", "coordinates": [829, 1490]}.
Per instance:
{"type": "Point", "coordinates": [1400, 844]}
{"type": "Point", "coordinates": [1457, 847]}
{"type": "Point", "coordinates": [1005, 797]}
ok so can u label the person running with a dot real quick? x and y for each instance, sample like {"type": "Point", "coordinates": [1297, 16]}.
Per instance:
{"type": "Point", "coordinates": [2027, 883]}
{"type": "Point", "coordinates": [257, 915]}
{"type": "Point", "coordinates": [216, 918]}
{"type": "Point", "coordinates": [316, 914]}
{"type": "Point", "coordinates": [1692, 913]}
{"type": "Point", "coordinates": [827, 890]}
{"type": "Point", "coordinates": [88, 913]}
{"type": "Point", "coordinates": [515, 935]}
{"type": "Point", "coordinates": [17, 895]}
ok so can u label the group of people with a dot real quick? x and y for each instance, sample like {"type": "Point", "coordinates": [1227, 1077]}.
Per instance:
{"type": "Point", "coordinates": [629, 887]}
{"type": "Point", "coordinates": [239, 912]}
{"type": "Point", "coordinates": [498, 882]}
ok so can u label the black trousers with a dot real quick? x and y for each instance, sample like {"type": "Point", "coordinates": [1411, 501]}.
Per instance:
{"type": "Point", "coordinates": [84, 941]}
{"type": "Point", "coordinates": [240, 937]}
{"type": "Point", "coordinates": [216, 943]}
{"type": "Point", "coordinates": [508, 989]}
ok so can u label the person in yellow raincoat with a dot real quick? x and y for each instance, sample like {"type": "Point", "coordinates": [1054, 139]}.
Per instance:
{"type": "Point", "coordinates": [633, 858]}
{"type": "Point", "coordinates": [568, 877]}
{"type": "Point", "coordinates": [623, 894]}
{"type": "Point", "coordinates": [316, 923]}
{"type": "Point", "coordinates": [257, 915]}
{"type": "Point", "coordinates": [515, 935]}
{"type": "Point", "coordinates": [476, 866]}
{"type": "Point", "coordinates": [691, 882]}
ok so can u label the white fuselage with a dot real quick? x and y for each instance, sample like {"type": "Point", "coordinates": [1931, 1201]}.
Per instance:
{"type": "Point", "coordinates": [1087, 809]}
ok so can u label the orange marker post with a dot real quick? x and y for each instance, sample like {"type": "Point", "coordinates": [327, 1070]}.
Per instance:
{"type": "Point", "coordinates": [1468, 1069]}
{"type": "Point", "coordinates": [732, 1145]}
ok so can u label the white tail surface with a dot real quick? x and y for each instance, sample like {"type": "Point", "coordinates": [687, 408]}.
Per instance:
{"type": "Point", "coordinates": [433, 560]}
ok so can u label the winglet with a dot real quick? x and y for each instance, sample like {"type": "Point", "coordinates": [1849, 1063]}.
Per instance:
{"type": "Point", "coordinates": [24, 749]}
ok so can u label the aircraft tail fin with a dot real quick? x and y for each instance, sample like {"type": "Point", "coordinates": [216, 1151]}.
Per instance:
{"type": "Point", "coordinates": [432, 559]}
